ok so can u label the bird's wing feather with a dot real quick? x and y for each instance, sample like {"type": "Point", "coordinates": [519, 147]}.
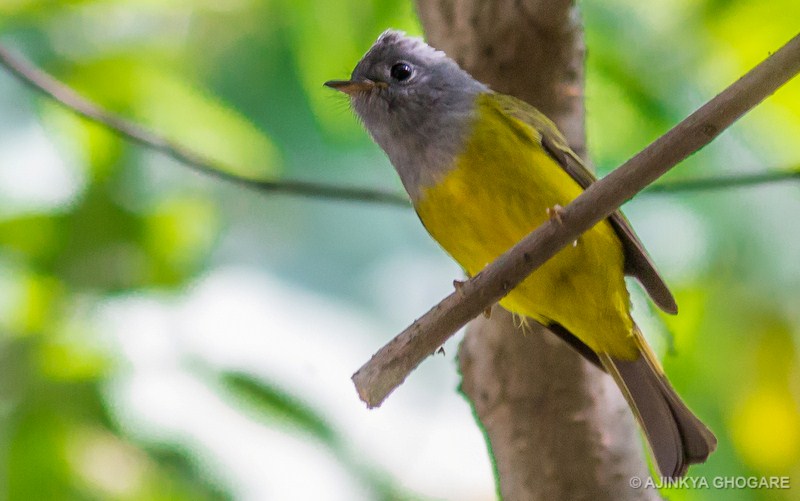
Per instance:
{"type": "Point", "coordinates": [637, 262]}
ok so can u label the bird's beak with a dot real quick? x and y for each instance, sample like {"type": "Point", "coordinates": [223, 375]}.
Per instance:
{"type": "Point", "coordinates": [351, 87]}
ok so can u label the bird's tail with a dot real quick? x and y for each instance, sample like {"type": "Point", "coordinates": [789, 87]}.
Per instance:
{"type": "Point", "coordinates": [677, 438]}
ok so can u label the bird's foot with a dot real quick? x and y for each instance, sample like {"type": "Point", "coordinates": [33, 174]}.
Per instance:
{"type": "Point", "coordinates": [554, 213]}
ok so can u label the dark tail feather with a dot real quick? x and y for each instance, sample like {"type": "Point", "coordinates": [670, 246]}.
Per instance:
{"type": "Point", "coordinates": [676, 436]}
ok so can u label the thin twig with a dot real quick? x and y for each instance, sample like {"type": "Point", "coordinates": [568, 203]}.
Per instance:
{"type": "Point", "coordinates": [64, 95]}
{"type": "Point", "coordinates": [724, 182]}
{"type": "Point", "coordinates": [127, 129]}
{"type": "Point", "coordinates": [389, 367]}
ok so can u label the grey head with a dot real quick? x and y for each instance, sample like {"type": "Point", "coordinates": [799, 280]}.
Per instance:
{"type": "Point", "coordinates": [416, 103]}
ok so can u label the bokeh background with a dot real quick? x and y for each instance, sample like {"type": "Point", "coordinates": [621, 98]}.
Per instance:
{"type": "Point", "coordinates": [167, 335]}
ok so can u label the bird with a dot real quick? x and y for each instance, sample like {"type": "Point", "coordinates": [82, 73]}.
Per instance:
{"type": "Point", "coordinates": [482, 170]}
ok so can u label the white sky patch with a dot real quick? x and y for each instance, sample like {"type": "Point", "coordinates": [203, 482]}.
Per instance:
{"type": "Point", "coordinates": [258, 462]}
{"type": "Point", "coordinates": [243, 320]}
{"type": "Point", "coordinates": [404, 285]}
{"type": "Point", "coordinates": [33, 177]}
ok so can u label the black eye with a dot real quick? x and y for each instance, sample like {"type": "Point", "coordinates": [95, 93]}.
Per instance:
{"type": "Point", "coordinates": [401, 72]}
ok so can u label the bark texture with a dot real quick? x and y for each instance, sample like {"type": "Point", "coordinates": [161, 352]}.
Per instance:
{"type": "Point", "coordinates": [558, 427]}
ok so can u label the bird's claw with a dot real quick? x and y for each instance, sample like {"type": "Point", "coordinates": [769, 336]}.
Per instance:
{"type": "Point", "coordinates": [554, 213]}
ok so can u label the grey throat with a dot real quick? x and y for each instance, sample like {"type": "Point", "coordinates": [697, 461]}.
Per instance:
{"type": "Point", "coordinates": [420, 121]}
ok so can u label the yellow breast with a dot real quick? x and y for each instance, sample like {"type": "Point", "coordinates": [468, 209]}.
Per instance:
{"type": "Point", "coordinates": [498, 191]}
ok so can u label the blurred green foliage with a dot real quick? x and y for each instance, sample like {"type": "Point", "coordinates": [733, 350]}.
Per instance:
{"type": "Point", "coordinates": [240, 82]}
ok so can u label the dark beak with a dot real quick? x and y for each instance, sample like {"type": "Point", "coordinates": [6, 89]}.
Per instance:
{"type": "Point", "coordinates": [351, 87]}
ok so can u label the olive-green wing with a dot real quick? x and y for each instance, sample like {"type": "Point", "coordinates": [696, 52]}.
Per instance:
{"type": "Point", "coordinates": [637, 262]}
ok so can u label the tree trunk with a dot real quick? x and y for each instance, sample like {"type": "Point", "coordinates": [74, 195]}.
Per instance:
{"type": "Point", "coordinates": [557, 426]}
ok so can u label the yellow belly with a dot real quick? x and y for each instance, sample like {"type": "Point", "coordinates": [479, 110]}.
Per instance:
{"type": "Point", "coordinates": [499, 191]}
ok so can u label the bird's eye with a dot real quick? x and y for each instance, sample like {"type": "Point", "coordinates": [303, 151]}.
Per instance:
{"type": "Point", "coordinates": [401, 72]}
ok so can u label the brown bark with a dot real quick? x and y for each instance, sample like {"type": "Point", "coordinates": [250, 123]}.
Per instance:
{"type": "Point", "coordinates": [558, 428]}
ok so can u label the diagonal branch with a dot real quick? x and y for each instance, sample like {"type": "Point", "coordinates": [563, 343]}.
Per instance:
{"type": "Point", "coordinates": [389, 367]}
{"type": "Point", "coordinates": [67, 97]}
